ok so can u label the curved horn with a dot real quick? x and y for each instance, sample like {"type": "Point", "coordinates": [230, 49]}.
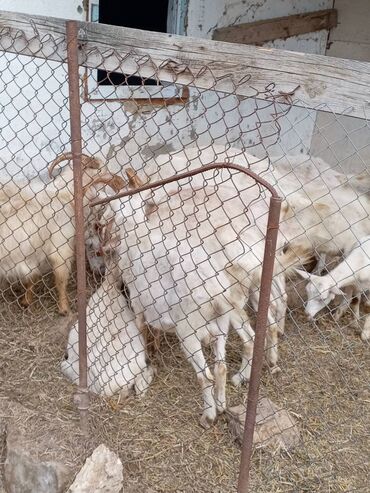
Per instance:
{"type": "Point", "coordinates": [86, 161]}
{"type": "Point", "coordinates": [90, 162]}
{"type": "Point", "coordinates": [63, 157]}
{"type": "Point", "coordinates": [113, 181]}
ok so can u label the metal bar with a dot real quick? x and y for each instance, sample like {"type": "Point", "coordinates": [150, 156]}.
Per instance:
{"type": "Point", "coordinates": [263, 305]}
{"type": "Point", "coordinates": [259, 343]}
{"type": "Point", "coordinates": [155, 101]}
{"type": "Point", "coordinates": [189, 174]}
{"type": "Point", "coordinates": [81, 397]}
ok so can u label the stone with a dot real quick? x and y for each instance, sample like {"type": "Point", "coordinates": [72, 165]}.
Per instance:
{"type": "Point", "coordinates": [25, 472]}
{"type": "Point", "coordinates": [275, 429]}
{"type": "Point", "coordinates": [33, 461]}
{"type": "Point", "coordinates": [101, 473]}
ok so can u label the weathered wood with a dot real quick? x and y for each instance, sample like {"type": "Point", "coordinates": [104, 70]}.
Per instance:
{"type": "Point", "coordinates": [260, 32]}
{"type": "Point", "coordinates": [332, 84]}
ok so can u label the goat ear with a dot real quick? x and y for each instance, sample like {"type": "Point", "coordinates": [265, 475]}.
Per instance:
{"type": "Point", "coordinates": [150, 208]}
{"type": "Point", "coordinates": [117, 183]}
{"type": "Point", "coordinates": [109, 237]}
{"type": "Point", "coordinates": [133, 180]}
{"type": "Point", "coordinates": [337, 291]}
{"type": "Point", "coordinates": [304, 274]}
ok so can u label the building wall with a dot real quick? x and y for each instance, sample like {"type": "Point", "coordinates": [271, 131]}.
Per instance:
{"type": "Point", "coordinates": [39, 127]}
{"type": "Point", "coordinates": [32, 123]}
{"type": "Point", "coordinates": [341, 140]}
{"type": "Point", "coordinates": [204, 16]}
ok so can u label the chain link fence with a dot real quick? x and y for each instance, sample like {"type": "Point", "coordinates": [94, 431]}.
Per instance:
{"type": "Point", "coordinates": [174, 270]}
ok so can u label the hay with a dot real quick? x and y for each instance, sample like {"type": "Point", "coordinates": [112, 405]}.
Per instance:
{"type": "Point", "coordinates": [323, 382]}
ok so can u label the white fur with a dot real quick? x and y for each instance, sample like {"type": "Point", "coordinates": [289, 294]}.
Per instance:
{"type": "Point", "coordinates": [37, 230]}
{"type": "Point", "coordinates": [353, 272]}
{"type": "Point", "coordinates": [116, 349]}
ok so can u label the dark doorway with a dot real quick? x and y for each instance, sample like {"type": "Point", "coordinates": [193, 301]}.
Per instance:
{"type": "Point", "coordinates": [150, 15]}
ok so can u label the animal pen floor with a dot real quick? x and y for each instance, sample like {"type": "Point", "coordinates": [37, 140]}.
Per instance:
{"type": "Point", "coordinates": [324, 382]}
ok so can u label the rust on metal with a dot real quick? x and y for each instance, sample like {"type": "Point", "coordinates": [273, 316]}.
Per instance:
{"type": "Point", "coordinates": [81, 397]}
{"type": "Point", "coordinates": [189, 174]}
{"type": "Point", "coordinates": [259, 342]}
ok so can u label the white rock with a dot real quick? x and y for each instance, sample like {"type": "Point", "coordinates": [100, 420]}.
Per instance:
{"type": "Point", "coordinates": [275, 428]}
{"type": "Point", "coordinates": [101, 473]}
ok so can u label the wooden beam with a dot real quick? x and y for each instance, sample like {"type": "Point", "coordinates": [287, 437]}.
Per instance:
{"type": "Point", "coordinates": [257, 33]}
{"type": "Point", "coordinates": [320, 82]}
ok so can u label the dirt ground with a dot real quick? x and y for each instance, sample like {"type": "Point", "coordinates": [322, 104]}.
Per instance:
{"type": "Point", "coordinates": [324, 382]}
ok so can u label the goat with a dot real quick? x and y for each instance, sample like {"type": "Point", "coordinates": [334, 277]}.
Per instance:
{"type": "Point", "coordinates": [178, 286]}
{"type": "Point", "coordinates": [188, 269]}
{"type": "Point", "coordinates": [328, 210]}
{"type": "Point", "coordinates": [37, 228]}
{"type": "Point", "coordinates": [323, 210]}
{"type": "Point", "coordinates": [353, 272]}
{"type": "Point", "coordinates": [115, 347]}
{"type": "Point", "coordinates": [225, 204]}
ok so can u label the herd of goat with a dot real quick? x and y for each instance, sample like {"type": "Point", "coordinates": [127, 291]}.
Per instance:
{"type": "Point", "coordinates": [187, 258]}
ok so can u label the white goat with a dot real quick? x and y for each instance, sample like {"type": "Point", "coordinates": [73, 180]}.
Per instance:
{"type": "Point", "coordinates": [189, 267]}
{"type": "Point", "coordinates": [327, 207]}
{"type": "Point", "coordinates": [115, 347]}
{"type": "Point", "coordinates": [228, 204]}
{"type": "Point", "coordinates": [324, 210]}
{"type": "Point", "coordinates": [37, 227]}
{"type": "Point", "coordinates": [353, 272]}
{"type": "Point", "coordinates": [177, 283]}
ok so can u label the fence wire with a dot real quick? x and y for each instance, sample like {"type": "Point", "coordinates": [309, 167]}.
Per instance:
{"type": "Point", "coordinates": [174, 273]}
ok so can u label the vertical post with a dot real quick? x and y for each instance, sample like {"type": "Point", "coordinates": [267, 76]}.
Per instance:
{"type": "Point", "coordinates": [259, 343]}
{"type": "Point", "coordinates": [81, 397]}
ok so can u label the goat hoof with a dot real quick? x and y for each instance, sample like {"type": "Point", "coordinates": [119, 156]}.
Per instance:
{"type": "Point", "coordinates": [237, 380]}
{"type": "Point", "coordinates": [64, 311]}
{"type": "Point", "coordinates": [275, 370]}
{"type": "Point", "coordinates": [24, 303]}
{"type": "Point", "coordinates": [206, 421]}
{"type": "Point", "coordinates": [221, 408]}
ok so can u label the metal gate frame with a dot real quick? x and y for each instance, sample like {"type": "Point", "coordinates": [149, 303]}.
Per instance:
{"type": "Point", "coordinates": [81, 397]}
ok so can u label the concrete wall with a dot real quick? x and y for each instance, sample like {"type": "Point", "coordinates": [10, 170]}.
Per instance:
{"type": "Point", "coordinates": [341, 140]}
{"type": "Point", "coordinates": [34, 120]}
{"type": "Point", "coordinates": [33, 99]}
{"type": "Point", "coordinates": [204, 16]}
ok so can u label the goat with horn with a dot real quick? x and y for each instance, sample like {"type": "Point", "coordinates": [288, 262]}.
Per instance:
{"type": "Point", "coordinates": [37, 229]}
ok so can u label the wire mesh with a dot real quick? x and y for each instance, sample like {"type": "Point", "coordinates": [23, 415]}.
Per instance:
{"type": "Point", "coordinates": [188, 255]}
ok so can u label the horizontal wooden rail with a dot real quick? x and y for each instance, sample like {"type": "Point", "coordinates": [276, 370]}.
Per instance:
{"type": "Point", "coordinates": [259, 32]}
{"type": "Point", "coordinates": [325, 83]}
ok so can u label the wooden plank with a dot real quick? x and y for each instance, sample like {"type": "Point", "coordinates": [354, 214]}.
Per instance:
{"type": "Point", "coordinates": [327, 83]}
{"type": "Point", "coordinates": [260, 32]}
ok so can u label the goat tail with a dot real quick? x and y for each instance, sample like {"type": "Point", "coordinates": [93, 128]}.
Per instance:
{"type": "Point", "coordinates": [291, 258]}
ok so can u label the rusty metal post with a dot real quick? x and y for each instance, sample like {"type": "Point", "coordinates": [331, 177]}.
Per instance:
{"type": "Point", "coordinates": [259, 343]}
{"type": "Point", "coordinates": [81, 397]}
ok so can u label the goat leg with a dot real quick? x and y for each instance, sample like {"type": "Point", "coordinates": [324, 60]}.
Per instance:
{"type": "Point", "coordinates": [220, 371]}
{"type": "Point", "coordinates": [61, 274]}
{"type": "Point", "coordinates": [28, 296]}
{"type": "Point", "coordinates": [192, 348]}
